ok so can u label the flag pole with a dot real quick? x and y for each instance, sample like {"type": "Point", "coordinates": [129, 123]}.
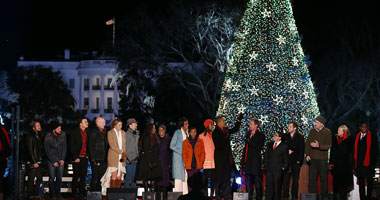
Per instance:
{"type": "Point", "coordinates": [113, 33]}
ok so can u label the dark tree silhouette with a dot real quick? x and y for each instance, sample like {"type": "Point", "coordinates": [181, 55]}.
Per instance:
{"type": "Point", "coordinates": [43, 94]}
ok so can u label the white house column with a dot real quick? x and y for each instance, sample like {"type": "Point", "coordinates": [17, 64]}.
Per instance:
{"type": "Point", "coordinates": [90, 95]}
{"type": "Point", "coordinates": [116, 97]}
{"type": "Point", "coordinates": [81, 93]}
{"type": "Point", "coordinates": [102, 94]}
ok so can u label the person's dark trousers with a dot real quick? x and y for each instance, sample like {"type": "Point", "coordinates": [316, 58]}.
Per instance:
{"type": "Point", "coordinates": [206, 176]}
{"type": "Point", "coordinates": [362, 187]}
{"type": "Point", "coordinates": [318, 167]}
{"type": "Point", "coordinates": [164, 191]}
{"type": "Point", "coordinates": [254, 179]}
{"type": "Point", "coordinates": [33, 189]}
{"type": "Point", "coordinates": [80, 173]}
{"type": "Point", "coordinates": [98, 169]}
{"type": "Point", "coordinates": [340, 194]}
{"type": "Point", "coordinates": [55, 180]}
{"type": "Point", "coordinates": [129, 181]}
{"type": "Point", "coordinates": [294, 173]}
{"type": "Point", "coordinates": [223, 188]}
{"type": "Point", "coordinates": [273, 185]}
{"type": "Point", "coordinates": [191, 173]}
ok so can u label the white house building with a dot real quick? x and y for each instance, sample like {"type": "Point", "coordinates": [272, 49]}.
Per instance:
{"type": "Point", "coordinates": [90, 81]}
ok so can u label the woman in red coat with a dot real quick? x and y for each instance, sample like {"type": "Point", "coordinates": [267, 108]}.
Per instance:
{"type": "Point", "coordinates": [193, 153]}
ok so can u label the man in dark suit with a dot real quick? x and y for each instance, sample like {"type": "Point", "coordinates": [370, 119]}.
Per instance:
{"type": "Point", "coordinates": [223, 157]}
{"type": "Point", "coordinates": [276, 162]}
{"type": "Point", "coordinates": [79, 150]}
{"type": "Point", "coordinates": [251, 162]}
{"type": "Point", "coordinates": [296, 144]}
{"type": "Point", "coordinates": [365, 157]}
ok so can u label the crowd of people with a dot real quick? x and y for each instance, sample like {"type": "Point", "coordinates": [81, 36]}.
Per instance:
{"type": "Point", "coordinates": [118, 158]}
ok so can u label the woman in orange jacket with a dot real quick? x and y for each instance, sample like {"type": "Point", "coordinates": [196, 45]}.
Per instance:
{"type": "Point", "coordinates": [193, 153]}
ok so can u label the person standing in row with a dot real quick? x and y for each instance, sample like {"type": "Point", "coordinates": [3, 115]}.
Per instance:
{"type": "Point", "coordinates": [341, 162]}
{"type": "Point", "coordinates": [296, 144]}
{"type": "Point", "coordinates": [276, 161]}
{"type": "Point", "coordinates": [55, 146]}
{"type": "Point", "coordinates": [316, 149]}
{"type": "Point", "coordinates": [34, 158]}
{"type": "Point", "coordinates": [252, 161]}
{"type": "Point", "coordinates": [5, 152]}
{"type": "Point", "coordinates": [78, 144]}
{"type": "Point", "coordinates": [116, 157]}
{"type": "Point", "coordinates": [164, 153]}
{"type": "Point", "coordinates": [209, 164]}
{"type": "Point", "coordinates": [193, 153]}
{"type": "Point", "coordinates": [365, 160]}
{"type": "Point", "coordinates": [98, 149]}
{"type": "Point", "coordinates": [179, 174]}
{"type": "Point", "coordinates": [132, 138]}
{"type": "Point", "coordinates": [150, 163]}
{"type": "Point", "coordinates": [223, 156]}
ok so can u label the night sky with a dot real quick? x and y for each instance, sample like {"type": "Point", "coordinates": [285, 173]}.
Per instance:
{"type": "Point", "coordinates": [42, 29]}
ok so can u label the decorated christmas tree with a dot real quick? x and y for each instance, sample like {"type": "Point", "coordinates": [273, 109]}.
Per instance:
{"type": "Point", "coordinates": [267, 76]}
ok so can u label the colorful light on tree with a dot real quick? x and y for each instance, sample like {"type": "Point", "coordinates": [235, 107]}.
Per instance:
{"type": "Point", "coordinates": [267, 77]}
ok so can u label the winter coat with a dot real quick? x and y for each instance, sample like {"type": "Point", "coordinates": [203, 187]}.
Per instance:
{"type": "Point", "coordinates": [209, 150]}
{"type": "Point", "coordinates": [361, 170]}
{"type": "Point", "coordinates": [55, 147]}
{"type": "Point", "coordinates": [165, 159]}
{"type": "Point", "coordinates": [97, 145]}
{"type": "Point", "coordinates": [150, 162]}
{"type": "Point", "coordinates": [222, 154]}
{"type": "Point", "coordinates": [76, 143]}
{"type": "Point", "coordinates": [176, 144]}
{"type": "Point", "coordinates": [324, 139]}
{"type": "Point", "coordinates": [297, 145]}
{"type": "Point", "coordinates": [252, 164]}
{"type": "Point", "coordinates": [132, 139]}
{"type": "Point", "coordinates": [114, 150]}
{"type": "Point", "coordinates": [187, 153]}
{"type": "Point", "coordinates": [34, 147]}
{"type": "Point", "coordinates": [341, 157]}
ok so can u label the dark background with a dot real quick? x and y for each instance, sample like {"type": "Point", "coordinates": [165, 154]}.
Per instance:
{"type": "Point", "coordinates": [41, 29]}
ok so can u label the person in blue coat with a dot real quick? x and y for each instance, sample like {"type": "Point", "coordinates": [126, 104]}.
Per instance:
{"type": "Point", "coordinates": [179, 172]}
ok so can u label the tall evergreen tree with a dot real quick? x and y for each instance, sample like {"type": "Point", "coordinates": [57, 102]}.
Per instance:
{"type": "Point", "coordinates": [268, 77]}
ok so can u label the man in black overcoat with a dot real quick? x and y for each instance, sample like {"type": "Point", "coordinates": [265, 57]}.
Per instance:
{"type": "Point", "coordinates": [252, 160]}
{"type": "Point", "coordinates": [223, 157]}
{"type": "Point", "coordinates": [296, 144]}
{"type": "Point", "coordinates": [365, 157]}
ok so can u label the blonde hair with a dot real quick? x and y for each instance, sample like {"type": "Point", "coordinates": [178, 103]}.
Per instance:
{"type": "Point", "coordinates": [345, 129]}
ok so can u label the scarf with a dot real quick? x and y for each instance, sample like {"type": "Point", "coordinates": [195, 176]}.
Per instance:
{"type": "Point", "coordinates": [6, 136]}
{"type": "Point", "coordinates": [367, 154]}
{"type": "Point", "coordinates": [193, 159]}
{"type": "Point", "coordinates": [340, 139]}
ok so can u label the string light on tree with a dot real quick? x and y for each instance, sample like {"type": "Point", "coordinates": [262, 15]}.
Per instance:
{"type": "Point", "coordinates": [304, 120]}
{"type": "Point", "coordinates": [306, 95]}
{"type": "Point", "coordinates": [295, 61]}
